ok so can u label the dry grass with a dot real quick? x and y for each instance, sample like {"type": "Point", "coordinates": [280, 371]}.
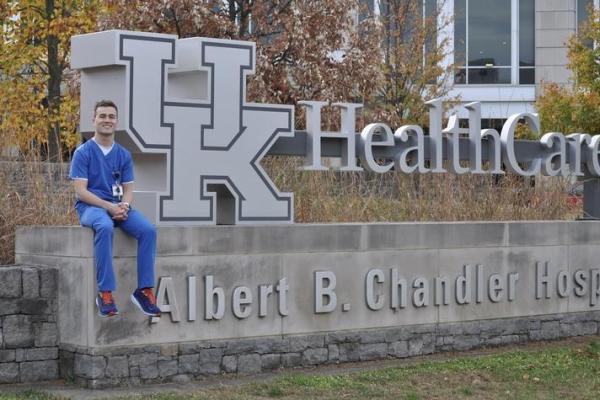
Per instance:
{"type": "Point", "coordinates": [344, 197]}
{"type": "Point", "coordinates": [34, 193]}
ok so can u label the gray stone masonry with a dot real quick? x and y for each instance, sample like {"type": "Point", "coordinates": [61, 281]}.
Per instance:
{"type": "Point", "coordinates": [129, 365]}
{"type": "Point", "coordinates": [28, 331]}
{"type": "Point", "coordinates": [97, 353]}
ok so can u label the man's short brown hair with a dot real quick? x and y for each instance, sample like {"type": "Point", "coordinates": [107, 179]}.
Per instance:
{"type": "Point", "coordinates": [105, 103]}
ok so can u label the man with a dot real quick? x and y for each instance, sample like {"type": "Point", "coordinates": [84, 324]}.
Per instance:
{"type": "Point", "coordinates": [102, 174]}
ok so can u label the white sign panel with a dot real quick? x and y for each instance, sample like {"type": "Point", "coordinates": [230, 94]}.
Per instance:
{"type": "Point", "coordinates": [184, 101]}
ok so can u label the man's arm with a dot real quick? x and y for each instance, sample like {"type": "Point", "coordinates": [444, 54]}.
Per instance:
{"type": "Point", "coordinates": [127, 199]}
{"type": "Point", "coordinates": [128, 193]}
{"type": "Point", "coordinates": [90, 198]}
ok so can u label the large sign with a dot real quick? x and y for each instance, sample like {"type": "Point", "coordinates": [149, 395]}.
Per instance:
{"type": "Point", "coordinates": [198, 143]}
{"type": "Point", "coordinates": [185, 99]}
{"type": "Point", "coordinates": [273, 281]}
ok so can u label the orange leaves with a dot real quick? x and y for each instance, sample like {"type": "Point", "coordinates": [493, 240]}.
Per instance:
{"type": "Point", "coordinates": [306, 50]}
{"type": "Point", "coordinates": [29, 109]}
{"type": "Point", "coordinates": [576, 108]}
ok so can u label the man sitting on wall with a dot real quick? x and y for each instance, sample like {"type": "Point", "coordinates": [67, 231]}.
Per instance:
{"type": "Point", "coordinates": [102, 174]}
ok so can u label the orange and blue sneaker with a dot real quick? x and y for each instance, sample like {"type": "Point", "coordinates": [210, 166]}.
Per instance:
{"type": "Point", "coordinates": [146, 301]}
{"type": "Point", "coordinates": [106, 305]}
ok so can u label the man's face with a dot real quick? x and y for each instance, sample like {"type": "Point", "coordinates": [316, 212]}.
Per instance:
{"type": "Point", "coordinates": [105, 120]}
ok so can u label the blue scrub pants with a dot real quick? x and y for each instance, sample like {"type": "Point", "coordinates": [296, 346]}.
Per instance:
{"type": "Point", "coordinates": [135, 225]}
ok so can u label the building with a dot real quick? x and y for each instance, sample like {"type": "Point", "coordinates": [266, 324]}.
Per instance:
{"type": "Point", "coordinates": [505, 49]}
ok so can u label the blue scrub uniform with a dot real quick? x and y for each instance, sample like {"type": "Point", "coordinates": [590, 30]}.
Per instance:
{"type": "Point", "coordinates": [102, 171]}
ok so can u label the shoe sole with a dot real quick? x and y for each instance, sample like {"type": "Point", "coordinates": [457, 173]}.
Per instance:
{"type": "Point", "coordinates": [137, 303]}
{"type": "Point", "coordinates": [105, 315]}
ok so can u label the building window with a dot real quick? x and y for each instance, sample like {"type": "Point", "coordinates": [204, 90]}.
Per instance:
{"type": "Point", "coordinates": [527, 42]}
{"type": "Point", "coordinates": [583, 11]}
{"type": "Point", "coordinates": [483, 42]}
{"type": "Point", "coordinates": [583, 14]}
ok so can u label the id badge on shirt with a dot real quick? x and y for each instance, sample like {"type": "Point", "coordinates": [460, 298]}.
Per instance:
{"type": "Point", "coordinates": [117, 191]}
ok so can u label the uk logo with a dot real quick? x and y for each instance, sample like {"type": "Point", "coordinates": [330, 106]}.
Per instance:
{"type": "Point", "coordinates": [196, 142]}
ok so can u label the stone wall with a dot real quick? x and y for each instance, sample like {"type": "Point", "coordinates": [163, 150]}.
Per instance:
{"type": "Point", "coordinates": [28, 329]}
{"type": "Point", "coordinates": [30, 349]}
{"type": "Point", "coordinates": [313, 294]}
{"type": "Point", "coordinates": [107, 367]}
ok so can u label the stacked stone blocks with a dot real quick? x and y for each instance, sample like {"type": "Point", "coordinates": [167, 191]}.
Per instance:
{"type": "Point", "coordinates": [28, 329]}
{"type": "Point", "coordinates": [98, 368]}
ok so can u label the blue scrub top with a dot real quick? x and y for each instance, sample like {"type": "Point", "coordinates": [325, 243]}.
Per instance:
{"type": "Point", "coordinates": [101, 171]}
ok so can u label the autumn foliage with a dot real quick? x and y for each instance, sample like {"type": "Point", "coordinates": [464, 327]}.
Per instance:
{"type": "Point", "coordinates": [306, 50]}
{"type": "Point", "coordinates": [39, 102]}
{"type": "Point", "coordinates": [334, 50]}
{"type": "Point", "coordinates": [575, 108]}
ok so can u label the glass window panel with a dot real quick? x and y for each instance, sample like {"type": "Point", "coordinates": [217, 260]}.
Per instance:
{"type": "Point", "coordinates": [489, 32]}
{"type": "Point", "coordinates": [583, 7]}
{"type": "Point", "coordinates": [431, 20]}
{"type": "Point", "coordinates": [366, 12]}
{"type": "Point", "coordinates": [460, 32]}
{"type": "Point", "coordinates": [526, 76]}
{"type": "Point", "coordinates": [478, 76]}
{"type": "Point", "coordinates": [460, 76]}
{"type": "Point", "coordinates": [527, 33]}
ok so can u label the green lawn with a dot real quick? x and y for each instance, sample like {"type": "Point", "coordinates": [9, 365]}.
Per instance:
{"type": "Point", "coordinates": [564, 372]}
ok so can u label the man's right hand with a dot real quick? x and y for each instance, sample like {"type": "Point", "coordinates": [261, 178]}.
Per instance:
{"type": "Point", "coordinates": [118, 212]}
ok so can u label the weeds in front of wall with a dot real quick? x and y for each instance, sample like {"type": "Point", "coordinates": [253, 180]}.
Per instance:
{"type": "Point", "coordinates": [334, 196]}
{"type": "Point", "coordinates": [32, 193]}
{"type": "Point", "coordinates": [36, 193]}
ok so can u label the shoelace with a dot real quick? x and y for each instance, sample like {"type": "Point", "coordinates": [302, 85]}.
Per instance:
{"type": "Point", "coordinates": [149, 295]}
{"type": "Point", "coordinates": [107, 297]}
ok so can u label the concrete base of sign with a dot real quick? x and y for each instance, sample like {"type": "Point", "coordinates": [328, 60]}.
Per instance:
{"type": "Point", "coordinates": [182, 362]}
{"type": "Point", "coordinates": [242, 298]}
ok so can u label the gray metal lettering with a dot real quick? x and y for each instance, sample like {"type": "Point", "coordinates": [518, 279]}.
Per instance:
{"type": "Point", "coordinates": [507, 137]}
{"type": "Point", "coordinates": [374, 301]}
{"type": "Point", "coordinates": [475, 136]}
{"type": "Point", "coordinates": [282, 289]}
{"type": "Point", "coordinates": [210, 293]}
{"type": "Point", "coordinates": [435, 132]}
{"type": "Point", "coordinates": [563, 284]}
{"type": "Point", "coordinates": [452, 131]}
{"type": "Point", "coordinates": [574, 143]}
{"type": "Point", "coordinates": [166, 291]}
{"type": "Point", "coordinates": [192, 287]}
{"type": "Point", "coordinates": [399, 290]}
{"type": "Point", "coordinates": [495, 155]}
{"type": "Point", "coordinates": [312, 160]}
{"type": "Point", "coordinates": [479, 283]}
{"type": "Point", "coordinates": [183, 107]}
{"type": "Point", "coordinates": [592, 161]}
{"type": "Point", "coordinates": [594, 286]}
{"type": "Point", "coordinates": [409, 134]}
{"type": "Point", "coordinates": [512, 285]}
{"type": "Point", "coordinates": [366, 144]}
{"type": "Point", "coordinates": [241, 302]}
{"type": "Point", "coordinates": [421, 293]}
{"type": "Point", "coordinates": [442, 292]}
{"type": "Point", "coordinates": [548, 159]}
{"type": "Point", "coordinates": [580, 286]}
{"type": "Point", "coordinates": [542, 281]}
{"type": "Point", "coordinates": [263, 295]}
{"type": "Point", "coordinates": [325, 297]}
{"type": "Point", "coordinates": [463, 286]}
{"type": "Point", "coordinates": [495, 288]}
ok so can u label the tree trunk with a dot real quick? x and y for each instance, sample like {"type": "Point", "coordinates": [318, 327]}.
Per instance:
{"type": "Point", "coordinates": [54, 79]}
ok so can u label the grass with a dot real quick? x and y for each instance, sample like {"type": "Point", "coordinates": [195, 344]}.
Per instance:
{"type": "Point", "coordinates": [556, 372]}
{"type": "Point", "coordinates": [36, 193]}
{"type": "Point", "coordinates": [32, 193]}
